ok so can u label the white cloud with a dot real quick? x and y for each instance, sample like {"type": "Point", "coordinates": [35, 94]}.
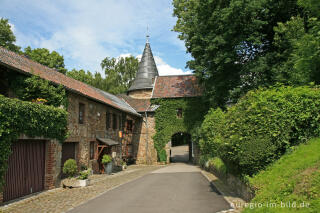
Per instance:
{"type": "Point", "coordinates": [164, 68]}
{"type": "Point", "coordinates": [85, 32]}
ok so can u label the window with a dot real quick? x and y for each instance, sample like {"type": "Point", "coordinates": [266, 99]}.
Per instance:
{"type": "Point", "coordinates": [91, 150]}
{"type": "Point", "coordinates": [108, 120]}
{"type": "Point", "coordinates": [81, 113]}
{"type": "Point", "coordinates": [129, 125]}
{"type": "Point", "coordinates": [114, 121]}
{"type": "Point", "coordinates": [179, 113]}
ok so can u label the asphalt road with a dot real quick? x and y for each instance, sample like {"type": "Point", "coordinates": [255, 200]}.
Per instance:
{"type": "Point", "coordinates": [175, 188]}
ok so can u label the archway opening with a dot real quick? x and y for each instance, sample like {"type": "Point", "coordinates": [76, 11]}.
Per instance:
{"type": "Point", "coordinates": [181, 147]}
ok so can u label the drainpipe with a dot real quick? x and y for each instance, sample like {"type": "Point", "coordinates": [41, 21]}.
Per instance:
{"type": "Point", "coordinates": [147, 135]}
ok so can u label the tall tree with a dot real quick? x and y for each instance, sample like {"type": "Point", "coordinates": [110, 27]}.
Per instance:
{"type": "Point", "coordinates": [120, 72]}
{"type": "Point", "coordinates": [7, 38]}
{"type": "Point", "coordinates": [234, 43]}
{"type": "Point", "coordinates": [44, 56]}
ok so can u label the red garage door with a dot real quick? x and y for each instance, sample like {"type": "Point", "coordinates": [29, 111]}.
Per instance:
{"type": "Point", "coordinates": [26, 169]}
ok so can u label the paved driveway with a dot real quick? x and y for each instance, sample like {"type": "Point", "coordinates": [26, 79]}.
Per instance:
{"type": "Point", "coordinates": [175, 188]}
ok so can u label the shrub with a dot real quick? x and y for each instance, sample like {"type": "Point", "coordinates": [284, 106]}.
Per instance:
{"type": "Point", "coordinates": [211, 131]}
{"type": "Point", "coordinates": [261, 127]}
{"type": "Point", "coordinates": [106, 159]}
{"type": "Point", "coordinates": [83, 175]}
{"type": "Point", "coordinates": [219, 165]}
{"type": "Point", "coordinates": [70, 168]}
{"type": "Point", "coordinates": [162, 155]}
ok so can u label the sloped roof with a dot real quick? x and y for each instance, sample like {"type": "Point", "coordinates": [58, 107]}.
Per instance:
{"type": "Point", "coordinates": [140, 105]}
{"type": "Point", "coordinates": [147, 71]}
{"type": "Point", "coordinates": [176, 87]}
{"type": "Point", "coordinates": [27, 66]}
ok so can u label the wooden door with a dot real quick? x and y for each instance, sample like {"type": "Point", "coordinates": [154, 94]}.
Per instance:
{"type": "Point", "coordinates": [26, 169]}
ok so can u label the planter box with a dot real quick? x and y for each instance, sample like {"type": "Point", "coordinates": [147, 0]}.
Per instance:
{"type": "Point", "coordinates": [74, 183]}
{"type": "Point", "coordinates": [83, 183]}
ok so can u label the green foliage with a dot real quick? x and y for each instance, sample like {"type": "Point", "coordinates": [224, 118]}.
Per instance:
{"type": "Point", "coordinates": [45, 57]}
{"type": "Point", "coordinates": [106, 159]}
{"type": "Point", "coordinates": [236, 45]}
{"type": "Point", "coordinates": [83, 175]}
{"type": "Point", "coordinates": [119, 74]}
{"type": "Point", "coordinates": [32, 88]}
{"type": "Point", "coordinates": [20, 117]}
{"type": "Point", "coordinates": [211, 130]}
{"type": "Point", "coordinates": [70, 168]}
{"type": "Point", "coordinates": [7, 38]}
{"type": "Point", "coordinates": [162, 155]}
{"type": "Point", "coordinates": [167, 122]}
{"type": "Point", "coordinates": [295, 177]}
{"type": "Point", "coordinates": [218, 165]}
{"type": "Point", "coordinates": [262, 126]}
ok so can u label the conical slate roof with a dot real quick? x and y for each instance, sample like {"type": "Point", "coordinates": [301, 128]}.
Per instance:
{"type": "Point", "coordinates": [146, 72]}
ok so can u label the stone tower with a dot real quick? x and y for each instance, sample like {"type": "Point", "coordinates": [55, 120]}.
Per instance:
{"type": "Point", "coordinates": [142, 85]}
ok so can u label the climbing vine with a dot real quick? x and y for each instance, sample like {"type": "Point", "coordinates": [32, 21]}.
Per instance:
{"type": "Point", "coordinates": [21, 117]}
{"type": "Point", "coordinates": [168, 123]}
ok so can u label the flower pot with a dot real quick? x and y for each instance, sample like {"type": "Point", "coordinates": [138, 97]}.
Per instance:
{"type": "Point", "coordinates": [108, 168]}
{"type": "Point", "coordinates": [83, 183]}
{"type": "Point", "coordinates": [124, 167]}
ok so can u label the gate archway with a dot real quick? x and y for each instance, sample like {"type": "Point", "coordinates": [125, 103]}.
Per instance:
{"type": "Point", "coordinates": [181, 147]}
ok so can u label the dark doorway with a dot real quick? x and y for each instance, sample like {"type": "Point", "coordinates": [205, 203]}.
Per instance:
{"type": "Point", "coordinates": [181, 147]}
{"type": "Point", "coordinates": [68, 152]}
{"type": "Point", "coordinates": [26, 169]}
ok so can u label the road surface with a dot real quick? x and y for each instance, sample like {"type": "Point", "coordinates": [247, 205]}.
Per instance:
{"type": "Point", "coordinates": [176, 188]}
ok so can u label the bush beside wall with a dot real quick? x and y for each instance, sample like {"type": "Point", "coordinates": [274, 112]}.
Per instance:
{"type": "Point", "coordinates": [261, 127]}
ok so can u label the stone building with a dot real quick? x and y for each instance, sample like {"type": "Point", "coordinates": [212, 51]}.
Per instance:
{"type": "Point", "coordinates": [98, 122]}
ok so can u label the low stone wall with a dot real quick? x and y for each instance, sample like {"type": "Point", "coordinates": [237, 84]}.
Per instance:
{"type": "Point", "coordinates": [242, 189]}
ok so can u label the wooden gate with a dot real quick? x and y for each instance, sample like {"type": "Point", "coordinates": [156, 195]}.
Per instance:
{"type": "Point", "coordinates": [26, 169]}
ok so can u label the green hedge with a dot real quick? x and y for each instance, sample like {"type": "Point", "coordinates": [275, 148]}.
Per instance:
{"type": "Point", "coordinates": [261, 127]}
{"type": "Point", "coordinates": [20, 117]}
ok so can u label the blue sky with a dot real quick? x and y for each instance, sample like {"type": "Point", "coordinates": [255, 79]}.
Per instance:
{"type": "Point", "coordinates": [85, 32]}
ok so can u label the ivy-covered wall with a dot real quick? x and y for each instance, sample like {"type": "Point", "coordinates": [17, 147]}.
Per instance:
{"type": "Point", "coordinates": [168, 123]}
{"type": "Point", "coordinates": [21, 117]}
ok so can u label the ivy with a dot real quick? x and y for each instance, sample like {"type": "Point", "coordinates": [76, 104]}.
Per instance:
{"type": "Point", "coordinates": [21, 117]}
{"type": "Point", "coordinates": [33, 88]}
{"type": "Point", "coordinates": [168, 123]}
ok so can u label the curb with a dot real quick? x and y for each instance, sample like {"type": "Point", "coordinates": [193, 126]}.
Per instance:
{"type": "Point", "coordinates": [219, 193]}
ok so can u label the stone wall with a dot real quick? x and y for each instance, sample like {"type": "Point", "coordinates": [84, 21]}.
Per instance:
{"type": "Point", "coordinates": [242, 189]}
{"type": "Point", "coordinates": [146, 153]}
{"type": "Point", "coordinates": [94, 126]}
{"type": "Point", "coordinates": [141, 94]}
{"type": "Point", "coordinates": [53, 164]}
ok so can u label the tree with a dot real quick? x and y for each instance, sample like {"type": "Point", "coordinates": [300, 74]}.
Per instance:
{"type": "Point", "coordinates": [120, 72]}
{"type": "Point", "coordinates": [234, 42]}
{"type": "Point", "coordinates": [44, 56]}
{"type": "Point", "coordinates": [7, 38]}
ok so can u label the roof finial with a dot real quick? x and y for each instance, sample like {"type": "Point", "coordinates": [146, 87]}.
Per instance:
{"type": "Point", "coordinates": [148, 34]}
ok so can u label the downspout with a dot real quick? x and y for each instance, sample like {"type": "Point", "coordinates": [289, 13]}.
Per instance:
{"type": "Point", "coordinates": [147, 134]}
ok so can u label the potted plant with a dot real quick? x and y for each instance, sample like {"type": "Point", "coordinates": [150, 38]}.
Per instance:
{"type": "Point", "coordinates": [107, 162]}
{"type": "Point", "coordinates": [70, 169]}
{"type": "Point", "coordinates": [124, 165]}
{"type": "Point", "coordinates": [83, 177]}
